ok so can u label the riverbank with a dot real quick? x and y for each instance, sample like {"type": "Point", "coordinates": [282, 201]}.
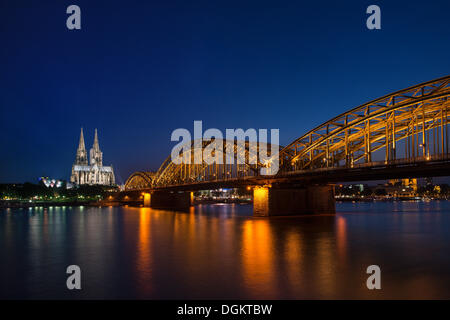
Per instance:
{"type": "Point", "coordinates": [28, 204]}
{"type": "Point", "coordinates": [106, 203]}
{"type": "Point", "coordinates": [390, 199]}
{"type": "Point", "coordinates": [101, 203]}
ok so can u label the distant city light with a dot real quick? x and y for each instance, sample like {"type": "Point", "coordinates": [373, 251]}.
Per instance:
{"type": "Point", "coordinates": [51, 183]}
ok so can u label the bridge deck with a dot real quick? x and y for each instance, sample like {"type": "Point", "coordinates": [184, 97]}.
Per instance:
{"type": "Point", "coordinates": [374, 171]}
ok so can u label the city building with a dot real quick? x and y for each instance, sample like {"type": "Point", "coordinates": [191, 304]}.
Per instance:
{"type": "Point", "coordinates": [408, 182]}
{"type": "Point", "coordinates": [51, 183]}
{"type": "Point", "coordinates": [93, 172]}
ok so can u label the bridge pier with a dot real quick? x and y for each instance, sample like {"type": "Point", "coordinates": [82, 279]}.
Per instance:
{"type": "Point", "coordinates": [147, 199]}
{"type": "Point", "coordinates": [174, 200]}
{"type": "Point", "coordinates": [269, 201]}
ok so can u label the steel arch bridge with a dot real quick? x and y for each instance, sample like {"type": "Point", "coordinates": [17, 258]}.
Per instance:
{"type": "Point", "coordinates": [412, 116]}
{"type": "Point", "coordinates": [139, 180]}
{"type": "Point", "coordinates": [402, 133]}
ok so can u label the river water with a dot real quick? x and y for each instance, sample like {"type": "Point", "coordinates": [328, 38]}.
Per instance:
{"type": "Point", "coordinates": [222, 252]}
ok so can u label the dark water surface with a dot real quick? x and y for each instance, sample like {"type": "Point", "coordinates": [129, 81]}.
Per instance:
{"type": "Point", "coordinates": [221, 251]}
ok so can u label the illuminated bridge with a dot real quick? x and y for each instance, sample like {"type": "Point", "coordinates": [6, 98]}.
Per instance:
{"type": "Point", "coordinates": [403, 134]}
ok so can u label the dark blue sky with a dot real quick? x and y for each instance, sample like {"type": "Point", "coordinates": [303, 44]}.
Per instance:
{"type": "Point", "coordinates": [140, 69]}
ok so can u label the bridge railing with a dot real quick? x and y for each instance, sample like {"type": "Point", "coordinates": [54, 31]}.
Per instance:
{"type": "Point", "coordinates": [397, 162]}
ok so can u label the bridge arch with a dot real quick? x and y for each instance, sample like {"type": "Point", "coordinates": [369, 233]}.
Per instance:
{"type": "Point", "coordinates": [172, 174]}
{"type": "Point", "coordinates": [139, 180]}
{"type": "Point", "coordinates": [407, 124]}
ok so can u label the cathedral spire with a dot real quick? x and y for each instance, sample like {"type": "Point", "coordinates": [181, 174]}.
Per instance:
{"type": "Point", "coordinates": [95, 153]}
{"type": "Point", "coordinates": [81, 145]}
{"type": "Point", "coordinates": [96, 146]}
{"type": "Point", "coordinates": [81, 158]}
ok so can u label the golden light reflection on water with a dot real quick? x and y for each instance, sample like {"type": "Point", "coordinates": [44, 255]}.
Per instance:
{"type": "Point", "coordinates": [341, 238]}
{"type": "Point", "coordinates": [294, 259]}
{"type": "Point", "coordinates": [325, 266]}
{"type": "Point", "coordinates": [207, 252]}
{"type": "Point", "coordinates": [144, 251]}
{"type": "Point", "coordinates": [257, 257]}
{"type": "Point", "coordinates": [223, 252]}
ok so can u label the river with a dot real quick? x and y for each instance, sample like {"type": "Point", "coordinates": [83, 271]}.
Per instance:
{"type": "Point", "coordinates": [219, 251]}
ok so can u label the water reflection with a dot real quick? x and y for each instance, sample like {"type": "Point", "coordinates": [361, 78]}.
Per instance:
{"type": "Point", "coordinates": [341, 238]}
{"type": "Point", "coordinates": [144, 251]}
{"type": "Point", "coordinates": [294, 257]}
{"type": "Point", "coordinates": [221, 251]}
{"type": "Point", "coordinates": [258, 257]}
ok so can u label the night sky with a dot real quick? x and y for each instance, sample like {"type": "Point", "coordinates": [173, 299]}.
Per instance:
{"type": "Point", "coordinates": [137, 70]}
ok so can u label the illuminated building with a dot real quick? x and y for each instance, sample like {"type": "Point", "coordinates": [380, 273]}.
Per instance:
{"type": "Point", "coordinates": [409, 182]}
{"type": "Point", "coordinates": [93, 173]}
{"type": "Point", "coordinates": [412, 183]}
{"type": "Point", "coordinates": [51, 183]}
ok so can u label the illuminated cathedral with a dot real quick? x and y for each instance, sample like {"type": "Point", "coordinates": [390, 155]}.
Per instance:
{"type": "Point", "coordinates": [93, 173]}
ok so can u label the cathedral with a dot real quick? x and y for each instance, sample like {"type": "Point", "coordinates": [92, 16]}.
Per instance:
{"type": "Point", "coordinates": [95, 172]}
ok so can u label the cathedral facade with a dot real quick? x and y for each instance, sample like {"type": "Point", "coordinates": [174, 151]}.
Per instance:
{"type": "Point", "coordinates": [93, 172]}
